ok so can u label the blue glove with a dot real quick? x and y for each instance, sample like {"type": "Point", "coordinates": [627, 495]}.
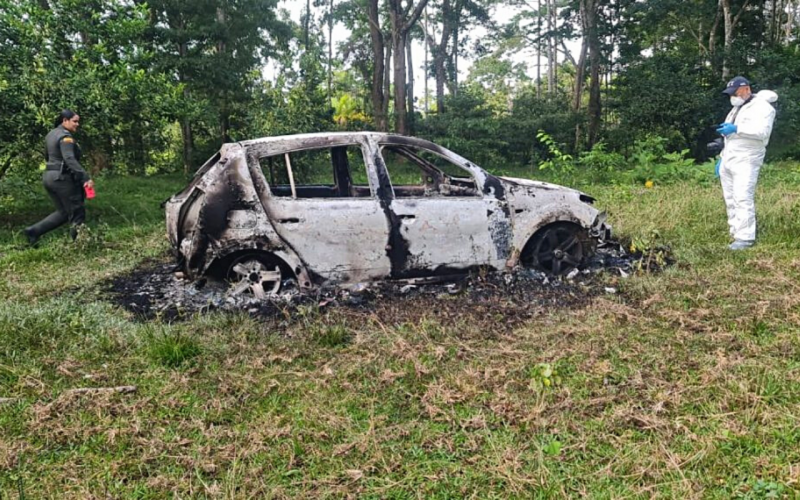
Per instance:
{"type": "Point", "coordinates": [716, 167]}
{"type": "Point", "coordinates": [727, 129]}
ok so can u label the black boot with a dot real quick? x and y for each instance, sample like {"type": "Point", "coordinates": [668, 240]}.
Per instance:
{"type": "Point", "coordinates": [32, 237]}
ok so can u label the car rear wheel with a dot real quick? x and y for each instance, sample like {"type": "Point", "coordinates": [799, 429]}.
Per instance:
{"type": "Point", "coordinates": [254, 275]}
{"type": "Point", "coordinates": [557, 249]}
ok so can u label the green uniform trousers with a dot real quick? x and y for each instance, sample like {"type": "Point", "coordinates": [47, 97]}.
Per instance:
{"type": "Point", "coordinates": [67, 195]}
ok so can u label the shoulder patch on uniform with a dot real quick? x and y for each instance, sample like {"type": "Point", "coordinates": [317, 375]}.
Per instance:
{"type": "Point", "coordinates": [68, 139]}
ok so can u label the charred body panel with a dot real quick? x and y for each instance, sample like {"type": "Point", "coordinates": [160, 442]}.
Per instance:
{"type": "Point", "coordinates": [352, 230]}
{"type": "Point", "coordinates": [230, 208]}
{"type": "Point", "coordinates": [537, 206]}
{"type": "Point", "coordinates": [397, 247]}
{"type": "Point", "coordinates": [220, 213]}
{"type": "Point", "coordinates": [440, 235]}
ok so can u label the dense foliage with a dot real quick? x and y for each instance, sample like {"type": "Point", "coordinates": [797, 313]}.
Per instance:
{"type": "Point", "coordinates": [160, 85]}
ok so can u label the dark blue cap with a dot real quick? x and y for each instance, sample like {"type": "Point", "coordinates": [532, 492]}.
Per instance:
{"type": "Point", "coordinates": [738, 81]}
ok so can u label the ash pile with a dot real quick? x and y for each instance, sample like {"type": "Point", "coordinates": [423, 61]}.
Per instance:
{"type": "Point", "coordinates": [155, 291]}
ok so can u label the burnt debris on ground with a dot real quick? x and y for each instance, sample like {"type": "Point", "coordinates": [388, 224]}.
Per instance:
{"type": "Point", "coordinates": [154, 290]}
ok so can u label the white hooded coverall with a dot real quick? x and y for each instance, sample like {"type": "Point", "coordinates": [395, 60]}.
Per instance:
{"type": "Point", "coordinates": [741, 160]}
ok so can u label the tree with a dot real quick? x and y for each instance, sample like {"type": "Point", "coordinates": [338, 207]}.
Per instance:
{"type": "Point", "coordinates": [449, 17]}
{"type": "Point", "coordinates": [730, 23]}
{"type": "Point", "coordinates": [54, 58]}
{"type": "Point", "coordinates": [501, 79]}
{"type": "Point", "coordinates": [357, 52]}
{"type": "Point", "coordinates": [590, 11]}
{"type": "Point", "coordinates": [402, 18]}
{"type": "Point", "coordinates": [381, 57]}
{"type": "Point", "coordinates": [211, 47]}
{"type": "Point", "coordinates": [452, 15]}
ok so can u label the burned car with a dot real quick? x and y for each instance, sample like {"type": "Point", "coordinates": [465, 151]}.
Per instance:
{"type": "Point", "coordinates": [334, 208]}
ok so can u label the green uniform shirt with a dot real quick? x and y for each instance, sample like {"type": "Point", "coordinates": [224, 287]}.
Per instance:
{"type": "Point", "coordinates": [62, 149]}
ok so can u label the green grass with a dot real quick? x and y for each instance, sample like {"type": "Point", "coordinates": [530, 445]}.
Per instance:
{"type": "Point", "coordinates": [684, 385]}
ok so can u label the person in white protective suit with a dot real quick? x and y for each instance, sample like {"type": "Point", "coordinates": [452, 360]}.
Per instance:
{"type": "Point", "coordinates": [746, 130]}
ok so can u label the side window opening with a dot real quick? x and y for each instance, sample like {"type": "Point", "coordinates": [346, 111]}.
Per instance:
{"type": "Point", "coordinates": [200, 173]}
{"type": "Point", "coordinates": [337, 172]}
{"type": "Point", "coordinates": [208, 164]}
{"type": "Point", "coordinates": [416, 172]}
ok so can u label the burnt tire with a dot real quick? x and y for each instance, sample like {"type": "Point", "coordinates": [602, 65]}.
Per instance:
{"type": "Point", "coordinates": [254, 274]}
{"type": "Point", "coordinates": [558, 248]}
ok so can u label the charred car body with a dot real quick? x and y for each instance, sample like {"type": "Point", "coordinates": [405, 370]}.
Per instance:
{"type": "Point", "coordinates": [354, 207]}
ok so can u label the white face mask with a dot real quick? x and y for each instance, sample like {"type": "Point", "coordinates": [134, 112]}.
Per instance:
{"type": "Point", "coordinates": [736, 101]}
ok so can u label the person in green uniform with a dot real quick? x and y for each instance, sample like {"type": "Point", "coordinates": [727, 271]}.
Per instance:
{"type": "Point", "coordinates": [64, 179]}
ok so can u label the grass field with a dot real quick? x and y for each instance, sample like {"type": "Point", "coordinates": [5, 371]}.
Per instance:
{"type": "Point", "coordinates": [684, 385]}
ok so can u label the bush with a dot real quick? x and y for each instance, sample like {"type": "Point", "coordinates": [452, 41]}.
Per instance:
{"type": "Point", "coordinates": [645, 100]}
{"type": "Point", "coordinates": [558, 161]}
{"type": "Point", "coordinates": [19, 189]}
{"type": "Point", "coordinates": [605, 165]}
{"type": "Point", "coordinates": [649, 163]}
{"type": "Point", "coordinates": [501, 140]}
{"type": "Point", "coordinates": [468, 128]}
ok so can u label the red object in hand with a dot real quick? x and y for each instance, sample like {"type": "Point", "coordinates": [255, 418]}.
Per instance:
{"type": "Point", "coordinates": [89, 192]}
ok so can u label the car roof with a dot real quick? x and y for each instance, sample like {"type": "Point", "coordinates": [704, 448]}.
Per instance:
{"type": "Point", "coordinates": [323, 137]}
{"type": "Point", "coordinates": [267, 146]}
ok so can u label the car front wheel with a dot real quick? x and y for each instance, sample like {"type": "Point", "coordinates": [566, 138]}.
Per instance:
{"type": "Point", "coordinates": [558, 248]}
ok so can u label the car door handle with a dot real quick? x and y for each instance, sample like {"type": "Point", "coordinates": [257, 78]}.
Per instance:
{"type": "Point", "coordinates": [290, 220]}
{"type": "Point", "coordinates": [407, 216]}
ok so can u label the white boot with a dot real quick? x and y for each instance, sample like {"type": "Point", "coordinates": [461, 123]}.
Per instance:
{"type": "Point", "coordinates": [740, 244]}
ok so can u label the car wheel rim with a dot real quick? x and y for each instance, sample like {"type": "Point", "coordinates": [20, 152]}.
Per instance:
{"type": "Point", "coordinates": [254, 277]}
{"type": "Point", "coordinates": [559, 251]}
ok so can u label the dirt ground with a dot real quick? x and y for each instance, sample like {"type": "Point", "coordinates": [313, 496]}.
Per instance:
{"type": "Point", "coordinates": [154, 291]}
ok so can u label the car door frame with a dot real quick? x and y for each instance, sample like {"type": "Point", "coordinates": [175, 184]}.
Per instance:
{"type": "Point", "coordinates": [495, 249]}
{"type": "Point", "coordinates": [289, 217]}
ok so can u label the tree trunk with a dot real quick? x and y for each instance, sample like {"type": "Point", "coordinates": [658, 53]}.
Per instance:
{"type": "Point", "coordinates": [224, 111]}
{"type": "Point", "coordinates": [580, 75]}
{"type": "Point", "coordinates": [6, 166]}
{"type": "Point", "coordinates": [787, 29]}
{"type": "Point", "coordinates": [410, 88]}
{"type": "Point", "coordinates": [450, 16]}
{"type": "Point", "coordinates": [726, 9]}
{"type": "Point", "coordinates": [141, 152]}
{"type": "Point", "coordinates": [387, 81]}
{"type": "Point", "coordinates": [455, 54]}
{"type": "Point", "coordinates": [330, 52]}
{"type": "Point", "coordinates": [788, 14]}
{"type": "Point", "coordinates": [188, 139]}
{"type": "Point", "coordinates": [379, 54]}
{"type": "Point", "coordinates": [425, 70]}
{"type": "Point", "coordinates": [551, 75]}
{"type": "Point", "coordinates": [402, 22]}
{"type": "Point", "coordinates": [554, 17]}
{"type": "Point", "coordinates": [186, 124]}
{"type": "Point", "coordinates": [730, 26]}
{"type": "Point", "coordinates": [712, 36]}
{"type": "Point", "coordinates": [580, 72]}
{"type": "Point", "coordinates": [595, 108]}
{"type": "Point", "coordinates": [399, 62]}
{"type": "Point", "coordinates": [441, 76]}
{"type": "Point", "coordinates": [308, 20]}
{"type": "Point", "coordinates": [567, 54]}
{"type": "Point", "coordinates": [539, 49]}
{"type": "Point", "coordinates": [773, 24]}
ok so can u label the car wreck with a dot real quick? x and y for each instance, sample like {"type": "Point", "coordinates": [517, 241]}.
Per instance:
{"type": "Point", "coordinates": [339, 208]}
